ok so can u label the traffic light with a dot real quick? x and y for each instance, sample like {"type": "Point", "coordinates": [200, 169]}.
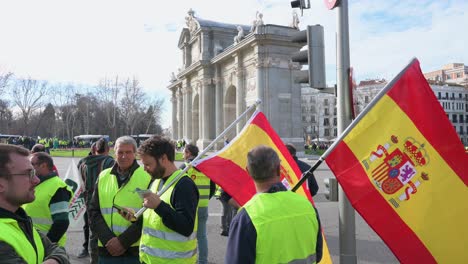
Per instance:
{"type": "Point", "coordinates": [302, 4]}
{"type": "Point", "coordinates": [313, 56]}
{"type": "Point", "coordinates": [331, 186]}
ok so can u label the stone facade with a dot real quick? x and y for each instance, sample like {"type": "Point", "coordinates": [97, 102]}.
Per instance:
{"type": "Point", "coordinates": [225, 70]}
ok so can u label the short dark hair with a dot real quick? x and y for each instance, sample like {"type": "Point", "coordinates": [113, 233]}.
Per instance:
{"type": "Point", "coordinates": [43, 157]}
{"type": "Point", "coordinates": [156, 146]}
{"type": "Point", "coordinates": [38, 148]}
{"type": "Point", "coordinates": [291, 149]}
{"type": "Point", "coordinates": [192, 149]}
{"type": "Point", "coordinates": [5, 155]}
{"type": "Point", "coordinates": [102, 146]}
{"type": "Point", "coordinates": [263, 163]}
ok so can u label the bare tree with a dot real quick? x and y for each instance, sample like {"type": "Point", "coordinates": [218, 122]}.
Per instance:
{"type": "Point", "coordinates": [131, 104]}
{"type": "Point", "coordinates": [4, 80]}
{"type": "Point", "coordinates": [108, 92]}
{"type": "Point", "coordinates": [27, 94]}
{"type": "Point", "coordinates": [153, 115]}
{"type": "Point", "coordinates": [6, 117]}
{"type": "Point", "coordinates": [65, 100]}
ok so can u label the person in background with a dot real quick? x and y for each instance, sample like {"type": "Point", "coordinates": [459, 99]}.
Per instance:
{"type": "Point", "coordinates": [207, 189]}
{"type": "Point", "coordinates": [89, 168]}
{"type": "Point", "coordinates": [20, 242]}
{"type": "Point", "coordinates": [42, 148]}
{"type": "Point", "coordinates": [276, 225]}
{"type": "Point", "coordinates": [49, 211]}
{"type": "Point", "coordinates": [304, 167]}
{"type": "Point", "coordinates": [118, 239]}
{"type": "Point", "coordinates": [230, 207]}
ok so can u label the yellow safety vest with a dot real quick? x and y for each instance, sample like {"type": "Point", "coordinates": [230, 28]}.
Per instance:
{"type": "Point", "coordinates": [203, 185]}
{"type": "Point", "coordinates": [286, 226]}
{"type": "Point", "coordinates": [159, 243]}
{"type": "Point", "coordinates": [13, 235]}
{"type": "Point", "coordinates": [39, 209]}
{"type": "Point", "coordinates": [125, 196]}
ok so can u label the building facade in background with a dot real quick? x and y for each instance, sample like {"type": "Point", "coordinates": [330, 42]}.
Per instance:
{"type": "Point", "coordinates": [453, 73]}
{"type": "Point", "coordinates": [319, 116]}
{"type": "Point", "coordinates": [225, 69]}
{"type": "Point", "coordinates": [452, 98]}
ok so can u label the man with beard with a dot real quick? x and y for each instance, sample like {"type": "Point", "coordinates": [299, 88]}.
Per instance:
{"type": "Point", "coordinates": [20, 242]}
{"type": "Point", "coordinates": [118, 239]}
{"type": "Point", "coordinates": [170, 223]}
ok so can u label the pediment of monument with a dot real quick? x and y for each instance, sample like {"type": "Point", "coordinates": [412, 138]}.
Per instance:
{"type": "Point", "coordinates": [194, 24]}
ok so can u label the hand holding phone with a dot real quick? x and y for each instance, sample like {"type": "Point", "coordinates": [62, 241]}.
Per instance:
{"type": "Point", "coordinates": [126, 213]}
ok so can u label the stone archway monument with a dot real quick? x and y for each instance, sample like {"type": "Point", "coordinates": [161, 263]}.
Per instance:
{"type": "Point", "coordinates": [224, 69]}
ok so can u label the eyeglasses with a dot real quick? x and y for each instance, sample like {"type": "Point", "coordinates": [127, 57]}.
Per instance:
{"type": "Point", "coordinates": [31, 174]}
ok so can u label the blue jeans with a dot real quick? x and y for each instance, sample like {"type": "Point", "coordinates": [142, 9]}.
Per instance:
{"type": "Point", "coordinates": [119, 260]}
{"type": "Point", "coordinates": [201, 235]}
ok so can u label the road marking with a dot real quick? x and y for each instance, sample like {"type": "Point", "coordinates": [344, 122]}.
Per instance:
{"type": "Point", "coordinates": [215, 214]}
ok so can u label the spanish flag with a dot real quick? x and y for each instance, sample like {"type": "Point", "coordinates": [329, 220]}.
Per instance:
{"type": "Point", "coordinates": [228, 166]}
{"type": "Point", "coordinates": [404, 169]}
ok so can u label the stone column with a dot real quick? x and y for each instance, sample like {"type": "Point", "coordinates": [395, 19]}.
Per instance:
{"type": "Point", "coordinates": [207, 113]}
{"type": "Point", "coordinates": [218, 104]}
{"type": "Point", "coordinates": [174, 114]}
{"type": "Point", "coordinates": [260, 78]}
{"type": "Point", "coordinates": [240, 93]}
{"type": "Point", "coordinates": [180, 113]}
{"type": "Point", "coordinates": [188, 112]}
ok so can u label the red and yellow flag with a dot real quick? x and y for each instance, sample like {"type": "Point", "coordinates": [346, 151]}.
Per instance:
{"type": "Point", "coordinates": [228, 166]}
{"type": "Point", "coordinates": [404, 169]}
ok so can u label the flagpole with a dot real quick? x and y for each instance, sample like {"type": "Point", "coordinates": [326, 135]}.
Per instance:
{"type": "Point", "coordinates": [201, 154]}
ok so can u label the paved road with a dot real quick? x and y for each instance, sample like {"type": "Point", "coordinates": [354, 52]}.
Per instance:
{"type": "Point", "coordinates": [370, 248]}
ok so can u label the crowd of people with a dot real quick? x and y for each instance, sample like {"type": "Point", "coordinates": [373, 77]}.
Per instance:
{"type": "Point", "coordinates": [275, 226]}
{"type": "Point", "coordinates": [48, 143]}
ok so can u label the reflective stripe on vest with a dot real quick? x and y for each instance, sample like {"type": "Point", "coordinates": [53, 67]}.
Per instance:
{"type": "Point", "coordinates": [203, 184]}
{"type": "Point", "coordinates": [286, 226]}
{"type": "Point", "coordinates": [160, 244]}
{"type": "Point", "coordinates": [39, 209]}
{"type": "Point", "coordinates": [13, 235]}
{"type": "Point", "coordinates": [125, 196]}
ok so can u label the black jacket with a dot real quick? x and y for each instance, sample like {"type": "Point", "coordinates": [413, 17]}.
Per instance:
{"type": "Point", "coordinates": [311, 181]}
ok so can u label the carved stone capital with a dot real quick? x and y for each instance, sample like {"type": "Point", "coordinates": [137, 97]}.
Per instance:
{"type": "Point", "coordinates": [262, 63]}
{"type": "Point", "coordinates": [294, 65]}
{"type": "Point", "coordinates": [187, 90]}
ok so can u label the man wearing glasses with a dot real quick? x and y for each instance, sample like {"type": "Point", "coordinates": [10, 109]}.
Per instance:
{"type": "Point", "coordinates": [49, 211]}
{"type": "Point", "coordinates": [19, 240]}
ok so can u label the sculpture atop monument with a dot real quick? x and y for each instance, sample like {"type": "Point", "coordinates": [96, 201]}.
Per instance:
{"type": "Point", "coordinates": [190, 21]}
{"type": "Point", "coordinates": [240, 35]}
{"type": "Point", "coordinates": [295, 20]}
{"type": "Point", "coordinates": [173, 77]}
{"type": "Point", "coordinates": [257, 22]}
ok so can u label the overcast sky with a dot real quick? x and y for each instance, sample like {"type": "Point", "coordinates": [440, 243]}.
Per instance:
{"type": "Point", "coordinates": [85, 41]}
